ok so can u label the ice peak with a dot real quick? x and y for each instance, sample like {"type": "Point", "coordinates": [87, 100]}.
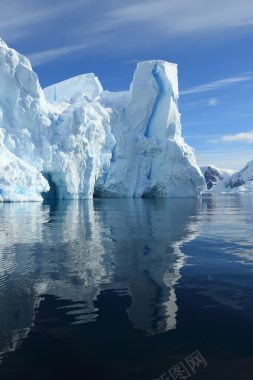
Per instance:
{"type": "Point", "coordinates": [3, 44]}
{"type": "Point", "coordinates": [159, 62]}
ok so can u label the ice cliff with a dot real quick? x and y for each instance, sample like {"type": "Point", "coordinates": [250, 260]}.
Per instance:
{"type": "Point", "coordinates": [74, 140]}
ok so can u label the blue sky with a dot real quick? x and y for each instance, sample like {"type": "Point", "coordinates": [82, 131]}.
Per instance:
{"type": "Point", "coordinates": [211, 41]}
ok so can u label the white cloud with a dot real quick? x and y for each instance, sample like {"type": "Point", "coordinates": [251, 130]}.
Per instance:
{"type": "Point", "coordinates": [243, 137]}
{"type": "Point", "coordinates": [239, 137]}
{"type": "Point", "coordinates": [213, 102]}
{"type": "Point", "coordinates": [218, 84]}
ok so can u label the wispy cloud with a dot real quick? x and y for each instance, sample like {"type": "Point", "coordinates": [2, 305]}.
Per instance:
{"type": "Point", "coordinates": [35, 15]}
{"type": "Point", "coordinates": [213, 102]}
{"type": "Point", "coordinates": [131, 26]}
{"type": "Point", "coordinates": [185, 16]}
{"type": "Point", "coordinates": [41, 57]}
{"type": "Point", "coordinates": [218, 84]}
{"type": "Point", "coordinates": [239, 137]}
{"type": "Point", "coordinates": [21, 19]}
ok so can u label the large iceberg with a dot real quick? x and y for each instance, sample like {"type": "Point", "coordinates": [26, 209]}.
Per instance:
{"type": "Point", "coordinates": [74, 140]}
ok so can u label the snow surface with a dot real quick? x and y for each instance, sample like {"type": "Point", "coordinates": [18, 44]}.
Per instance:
{"type": "Point", "coordinates": [79, 140]}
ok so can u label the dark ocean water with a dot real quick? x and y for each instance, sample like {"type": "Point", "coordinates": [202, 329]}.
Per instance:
{"type": "Point", "coordinates": [127, 289]}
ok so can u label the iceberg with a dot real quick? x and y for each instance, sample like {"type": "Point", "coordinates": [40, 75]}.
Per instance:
{"type": "Point", "coordinates": [75, 141]}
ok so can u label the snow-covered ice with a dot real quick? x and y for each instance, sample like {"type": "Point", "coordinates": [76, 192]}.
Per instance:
{"type": "Point", "coordinates": [70, 89]}
{"type": "Point", "coordinates": [242, 181]}
{"type": "Point", "coordinates": [81, 140]}
{"type": "Point", "coordinates": [214, 175]}
{"type": "Point", "coordinates": [229, 181]}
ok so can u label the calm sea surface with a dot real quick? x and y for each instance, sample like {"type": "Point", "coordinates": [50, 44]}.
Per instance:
{"type": "Point", "coordinates": [127, 289]}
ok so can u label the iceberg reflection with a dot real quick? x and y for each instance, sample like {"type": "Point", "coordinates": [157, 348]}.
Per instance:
{"type": "Point", "coordinates": [76, 250]}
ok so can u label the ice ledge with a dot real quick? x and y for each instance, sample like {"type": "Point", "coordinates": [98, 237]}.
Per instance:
{"type": "Point", "coordinates": [71, 89]}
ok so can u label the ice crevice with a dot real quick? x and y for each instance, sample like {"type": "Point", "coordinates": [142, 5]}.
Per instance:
{"type": "Point", "coordinates": [158, 120]}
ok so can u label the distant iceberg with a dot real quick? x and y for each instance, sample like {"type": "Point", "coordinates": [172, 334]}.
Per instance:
{"type": "Point", "coordinates": [75, 141]}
